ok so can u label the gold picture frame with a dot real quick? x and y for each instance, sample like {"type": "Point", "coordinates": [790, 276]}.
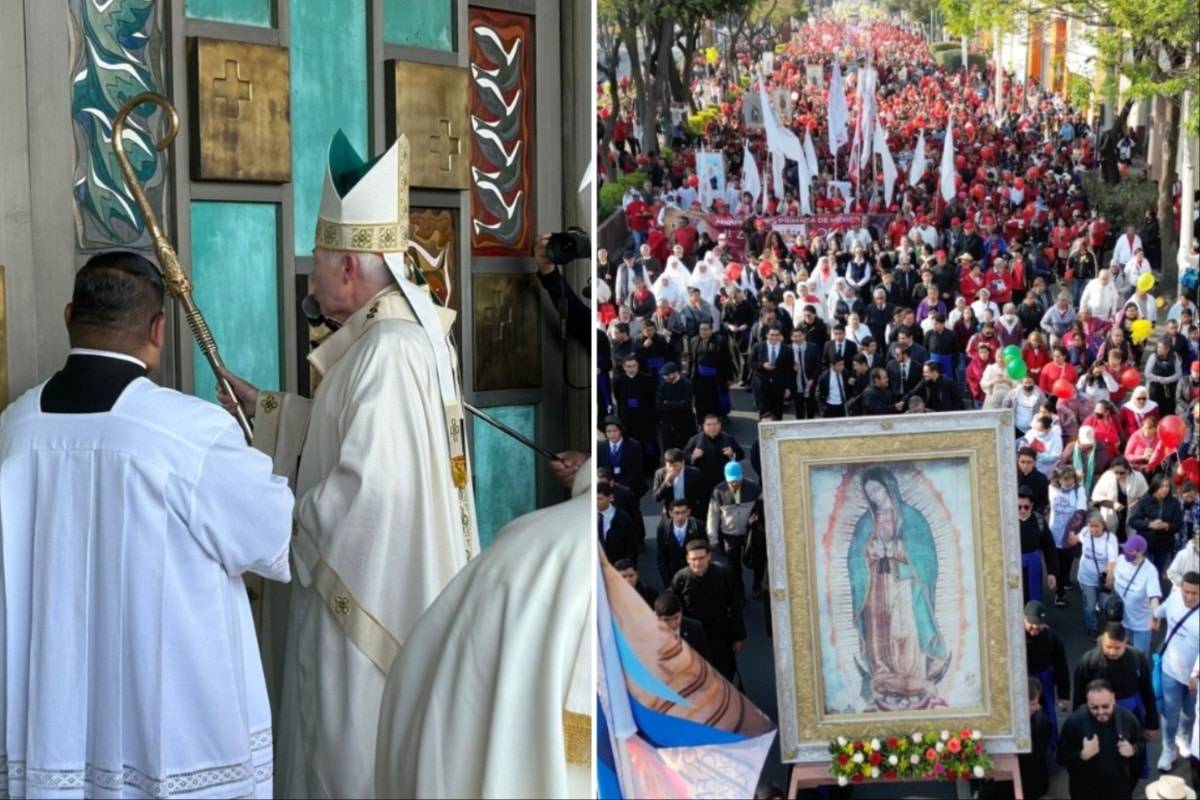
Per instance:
{"type": "Point", "coordinates": [895, 570]}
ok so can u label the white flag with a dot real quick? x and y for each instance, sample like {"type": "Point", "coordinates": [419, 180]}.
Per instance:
{"type": "Point", "coordinates": [948, 163]}
{"type": "Point", "coordinates": [916, 170]}
{"type": "Point", "coordinates": [867, 109]}
{"type": "Point", "coordinates": [780, 138]}
{"type": "Point", "coordinates": [777, 160]}
{"type": "Point", "coordinates": [839, 115]}
{"type": "Point", "coordinates": [890, 172]}
{"type": "Point", "coordinates": [750, 181]}
{"type": "Point", "coordinates": [810, 155]}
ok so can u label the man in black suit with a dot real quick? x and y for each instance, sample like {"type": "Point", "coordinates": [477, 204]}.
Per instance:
{"type": "Point", "coordinates": [806, 364]}
{"type": "Point", "coordinates": [674, 403]}
{"type": "Point", "coordinates": [878, 398]}
{"type": "Point", "coordinates": [708, 594]}
{"type": "Point", "coordinates": [615, 530]}
{"type": "Point", "coordinates": [903, 374]}
{"type": "Point", "coordinates": [677, 481]}
{"type": "Point", "coordinates": [771, 363]}
{"type": "Point", "coordinates": [936, 391]}
{"type": "Point", "coordinates": [878, 315]}
{"type": "Point", "coordinates": [622, 497]}
{"type": "Point", "coordinates": [623, 456]}
{"type": "Point", "coordinates": [709, 451]}
{"type": "Point", "coordinates": [832, 391]}
{"type": "Point", "coordinates": [634, 392]}
{"type": "Point", "coordinates": [628, 570]}
{"type": "Point", "coordinates": [674, 532]}
{"type": "Point", "coordinates": [838, 348]}
{"type": "Point", "coordinates": [670, 613]}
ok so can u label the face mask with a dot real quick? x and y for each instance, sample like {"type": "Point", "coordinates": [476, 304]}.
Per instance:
{"type": "Point", "coordinates": [1131, 557]}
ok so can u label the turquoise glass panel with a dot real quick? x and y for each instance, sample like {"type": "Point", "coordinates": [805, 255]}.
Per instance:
{"type": "Point", "coordinates": [235, 272]}
{"type": "Point", "coordinates": [329, 91]}
{"type": "Point", "coordinates": [505, 470]}
{"type": "Point", "coordinates": [419, 23]}
{"type": "Point", "coordinates": [239, 12]}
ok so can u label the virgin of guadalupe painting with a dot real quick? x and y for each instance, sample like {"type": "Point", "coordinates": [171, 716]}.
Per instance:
{"type": "Point", "coordinates": [896, 587]}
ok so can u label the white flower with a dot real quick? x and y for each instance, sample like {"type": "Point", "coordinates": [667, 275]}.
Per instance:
{"type": "Point", "coordinates": [939, 747]}
{"type": "Point", "coordinates": [916, 739]}
{"type": "Point", "coordinates": [977, 735]}
{"type": "Point", "coordinates": [979, 772]}
{"type": "Point", "coordinates": [858, 758]}
{"type": "Point", "coordinates": [843, 780]}
{"type": "Point", "coordinates": [945, 736]}
{"type": "Point", "coordinates": [893, 760]}
{"type": "Point", "coordinates": [874, 772]}
{"type": "Point", "coordinates": [875, 745]}
{"type": "Point", "coordinates": [914, 759]}
{"type": "Point", "coordinates": [842, 741]}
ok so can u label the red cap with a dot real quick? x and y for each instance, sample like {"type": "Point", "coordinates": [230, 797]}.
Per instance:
{"type": "Point", "coordinates": [956, 221]}
{"type": "Point", "coordinates": [940, 253]}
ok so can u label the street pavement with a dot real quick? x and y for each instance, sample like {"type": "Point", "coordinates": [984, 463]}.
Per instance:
{"type": "Point", "coordinates": [756, 662]}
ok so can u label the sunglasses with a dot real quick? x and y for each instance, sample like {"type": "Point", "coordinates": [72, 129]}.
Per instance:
{"type": "Point", "coordinates": [1024, 506]}
{"type": "Point", "coordinates": [1120, 474]}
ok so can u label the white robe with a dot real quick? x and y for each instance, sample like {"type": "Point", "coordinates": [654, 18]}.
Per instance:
{"type": "Point", "coordinates": [492, 696]}
{"type": "Point", "coordinates": [379, 535]}
{"type": "Point", "coordinates": [131, 667]}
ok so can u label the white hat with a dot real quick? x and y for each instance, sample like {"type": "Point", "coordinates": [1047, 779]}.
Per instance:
{"type": "Point", "coordinates": [364, 204]}
{"type": "Point", "coordinates": [1169, 787]}
{"type": "Point", "coordinates": [1087, 435]}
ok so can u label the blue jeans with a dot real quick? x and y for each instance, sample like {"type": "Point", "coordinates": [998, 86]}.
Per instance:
{"type": "Point", "coordinates": [1091, 595]}
{"type": "Point", "coordinates": [639, 239]}
{"type": "Point", "coordinates": [1178, 710]}
{"type": "Point", "coordinates": [1078, 284]}
{"type": "Point", "coordinates": [1139, 639]}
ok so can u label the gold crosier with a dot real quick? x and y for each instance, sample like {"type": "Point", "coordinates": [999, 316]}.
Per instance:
{"type": "Point", "coordinates": [177, 284]}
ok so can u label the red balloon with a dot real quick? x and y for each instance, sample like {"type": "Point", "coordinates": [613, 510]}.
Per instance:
{"type": "Point", "coordinates": [960, 161]}
{"type": "Point", "coordinates": [981, 173]}
{"type": "Point", "coordinates": [986, 152]}
{"type": "Point", "coordinates": [1172, 431]}
{"type": "Point", "coordinates": [1033, 173]}
{"type": "Point", "coordinates": [733, 271]}
{"type": "Point", "coordinates": [1130, 378]}
{"type": "Point", "coordinates": [693, 181]}
{"type": "Point", "coordinates": [1063, 389]}
{"type": "Point", "coordinates": [1019, 183]}
{"type": "Point", "coordinates": [765, 268]}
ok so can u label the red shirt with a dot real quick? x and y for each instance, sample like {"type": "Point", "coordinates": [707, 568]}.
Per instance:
{"type": "Point", "coordinates": [638, 215]}
{"type": "Point", "coordinates": [1035, 361]}
{"type": "Point", "coordinates": [686, 237]}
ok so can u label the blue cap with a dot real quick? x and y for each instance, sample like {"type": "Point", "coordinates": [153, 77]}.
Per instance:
{"type": "Point", "coordinates": [733, 471]}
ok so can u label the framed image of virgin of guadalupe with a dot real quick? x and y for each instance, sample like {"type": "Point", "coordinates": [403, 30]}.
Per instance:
{"type": "Point", "coordinates": [894, 559]}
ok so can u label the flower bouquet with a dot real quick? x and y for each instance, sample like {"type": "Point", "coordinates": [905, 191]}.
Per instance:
{"type": "Point", "coordinates": [945, 755]}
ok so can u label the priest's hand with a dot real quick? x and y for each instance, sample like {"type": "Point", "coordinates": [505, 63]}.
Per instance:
{"type": "Point", "coordinates": [1091, 746]}
{"type": "Point", "coordinates": [247, 395]}
{"type": "Point", "coordinates": [568, 463]}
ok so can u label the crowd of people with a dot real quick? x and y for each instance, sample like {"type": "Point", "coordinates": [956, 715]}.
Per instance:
{"type": "Point", "coordinates": [1016, 294]}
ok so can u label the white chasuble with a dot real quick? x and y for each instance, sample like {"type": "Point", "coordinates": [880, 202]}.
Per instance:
{"type": "Point", "coordinates": [130, 666]}
{"type": "Point", "coordinates": [381, 529]}
{"type": "Point", "coordinates": [492, 695]}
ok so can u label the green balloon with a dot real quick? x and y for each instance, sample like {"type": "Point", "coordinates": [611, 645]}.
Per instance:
{"type": "Point", "coordinates": [1011, 353]}
{"type": "Point", "coordinates": [1016, 369]}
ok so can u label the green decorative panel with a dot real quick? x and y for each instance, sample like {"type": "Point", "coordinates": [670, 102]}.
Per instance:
{"type": "Point", "coordinates": [329, 91]}
{"type": "Point", "coordinates": [504, 470]}
{"type": "Point", "coordinates": [239, 12]}
{"type": "Point", "coordinates": [419, 23]}
{"type": "Point", "coordinates": [116, 53]}
{"type": "Point", "coordinates": [235, 272]}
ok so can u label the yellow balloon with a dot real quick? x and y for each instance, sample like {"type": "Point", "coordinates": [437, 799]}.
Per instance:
{"type": "Point", "coordinates": [711, 55]}
{"type": "Point", "coordinates": [1145, 283]}
{"type": "Point", "coordinates": [1141, 329]}
{"type": "Point", "coordinates": [1160, 302]}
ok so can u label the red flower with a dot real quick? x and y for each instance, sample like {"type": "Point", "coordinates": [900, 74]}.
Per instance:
{"type": "Point", "coordinates": [954, 746]}
{"type": "Point", "coordinates": [843, 760]}
{"type": "Point", "coordinates": [876, 759]}
{"type": "Point", "coordinates": [979, 748]}
{"type": "Point", "coordinates": [951, 775]}
{"type": "Point", "coordinates": [931, 754]}
{"type": "Point", "coordinates": [964, 734]}
{"type": "Point", "coordinates": [858, 778]}
{"type": "Point", "coordinates": [858, 745]}
{"type": "Point", "coordinates": [892, 742]}
{"type": "Point", "coordinates": [890, 774]}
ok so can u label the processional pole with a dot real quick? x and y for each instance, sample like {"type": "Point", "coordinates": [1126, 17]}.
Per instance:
{"type": "Point", "coordinates": [177, 284]}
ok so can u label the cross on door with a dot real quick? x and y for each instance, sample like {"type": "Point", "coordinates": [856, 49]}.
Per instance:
{"type": "Point", "coordinates": [234, 90]}
{"type": "Point", "coordinates": [491, 316]}
{"type": "Point", "coordinates": [447, 151]}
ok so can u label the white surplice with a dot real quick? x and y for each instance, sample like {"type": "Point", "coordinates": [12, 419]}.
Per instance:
{"type": "Point", "coordinates": [130, 662]}
{"type": "Point", "coordinates": [492, 695]}
{"type": "Point", "coordinates": [379, 534]}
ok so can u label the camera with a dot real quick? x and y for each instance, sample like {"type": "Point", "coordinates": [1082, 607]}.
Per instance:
{"type": "Point", "coordinates": [565, 247]}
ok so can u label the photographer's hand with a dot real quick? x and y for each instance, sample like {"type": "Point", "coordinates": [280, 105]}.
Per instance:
{"type": "Point", "coordinates": [541, 258]}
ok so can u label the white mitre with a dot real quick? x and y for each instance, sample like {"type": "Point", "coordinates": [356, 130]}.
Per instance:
{"type": "Point", "coordinates": [364, 209]}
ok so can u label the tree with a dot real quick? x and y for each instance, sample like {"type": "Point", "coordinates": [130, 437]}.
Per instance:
{"type": "Point", "coordinates": [1152, 44]}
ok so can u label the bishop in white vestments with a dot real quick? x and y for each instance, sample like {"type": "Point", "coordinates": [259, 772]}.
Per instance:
{"type": "Point", "coordinates": [128, 514]}
{"type": "Point", "coordinates": [384, 513]}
